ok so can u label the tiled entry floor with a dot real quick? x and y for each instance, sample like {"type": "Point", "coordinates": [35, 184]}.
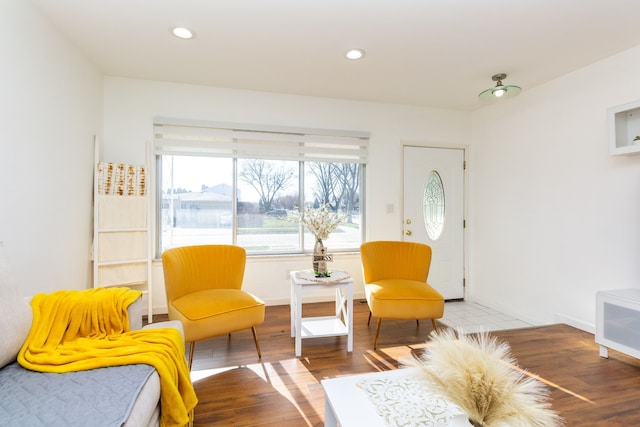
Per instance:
{"type": "Point", "coordinates": [472, 317]}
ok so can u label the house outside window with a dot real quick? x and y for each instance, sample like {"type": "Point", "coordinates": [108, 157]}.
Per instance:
{"type": "Point", "coordinates": [245, 186]}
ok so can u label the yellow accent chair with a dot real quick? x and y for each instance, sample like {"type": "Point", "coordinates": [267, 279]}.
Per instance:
{"type": "Point", "coordinates": [203, 285]}
{"type": "Point", "coordinates": [395, 280]}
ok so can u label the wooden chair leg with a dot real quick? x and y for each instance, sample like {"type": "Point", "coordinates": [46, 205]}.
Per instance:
{"type": "Point", "coordinates": [191, 351]}
{"type": "Point", "coordinates": [435, 325]}
{"type": "Point", "coordinates": [375, 341]}
{"type": "Point", "coordinates": [369, 321]}
{"type": "Point", "coordinates": [255, 338]}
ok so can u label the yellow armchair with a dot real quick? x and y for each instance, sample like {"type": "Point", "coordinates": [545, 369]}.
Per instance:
{"type": "Point", "coordinates": [395, 278]}
{"type": "Point", "coordinates": [203, 285]}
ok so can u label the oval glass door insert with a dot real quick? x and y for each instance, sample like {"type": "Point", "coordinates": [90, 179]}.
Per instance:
{"type": "Point", "coordinates": [433, 205]}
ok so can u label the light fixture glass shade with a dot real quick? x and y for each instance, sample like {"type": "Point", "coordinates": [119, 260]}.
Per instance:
{"type": "Point", "coordinates": [499, 92]}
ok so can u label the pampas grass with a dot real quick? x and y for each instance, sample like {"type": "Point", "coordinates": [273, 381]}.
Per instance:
{"type": "Point", "coordinates": [480, 375]}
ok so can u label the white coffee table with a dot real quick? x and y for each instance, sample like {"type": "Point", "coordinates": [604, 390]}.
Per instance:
{"type": "Point", "coordinates": [348, 405]}
{"type": "Point", "coordinates": [338, 324]}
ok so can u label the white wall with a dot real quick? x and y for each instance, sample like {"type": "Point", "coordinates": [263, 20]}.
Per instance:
{"type": "Point", "coordinates": [50, 108]}
{"type": "Point", "coordinates": [130, 105]}
{"type": "Point", "coordinates": [555, 218]}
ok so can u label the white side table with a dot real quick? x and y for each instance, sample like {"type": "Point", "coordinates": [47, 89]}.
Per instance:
{"type": "Point", "coordinates": [341, 323]}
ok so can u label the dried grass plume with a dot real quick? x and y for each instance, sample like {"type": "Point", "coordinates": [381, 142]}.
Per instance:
{"type": "Point", "coordinates": [480, 375]}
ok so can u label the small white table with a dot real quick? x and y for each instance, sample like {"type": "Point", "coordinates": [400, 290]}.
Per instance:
{"type": "Point", "coordinates": [341, 323]}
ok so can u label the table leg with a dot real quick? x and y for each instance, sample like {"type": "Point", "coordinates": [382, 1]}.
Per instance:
{"type": "Point", "coordinates": [292, 308]}
{"type": "Point", "coordinates": [349, 317]}
{"type": "Point", "coordinates": [298, 316]}
{"type": "Point", "coordinates": [329, 417]}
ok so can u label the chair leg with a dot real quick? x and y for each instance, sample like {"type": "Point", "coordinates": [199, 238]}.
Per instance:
{"type": "Point", "coordinates": [255, 338]}
{"type": "Point", "coordinates": [435, 325]}
{"type": "Point", "coordinates": [417, 323]}
{"type": "Point", "coordinates": [191, 351]}
{"type": "Point", "coordinates": [375, 341]}
{"type": "Point", "coordinates": [369, 321]}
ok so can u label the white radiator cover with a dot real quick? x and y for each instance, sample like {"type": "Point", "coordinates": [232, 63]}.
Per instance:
{"type": "Point", "coordinates": [618, 321]}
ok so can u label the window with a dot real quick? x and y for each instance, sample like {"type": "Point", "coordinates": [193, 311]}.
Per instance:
{"type": "Point", "coordinates": [245, 185]}
{"type": "Point", "coordinates": [433, 205]}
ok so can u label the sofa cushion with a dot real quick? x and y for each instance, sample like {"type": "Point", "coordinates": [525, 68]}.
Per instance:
{"type": "Point", "coordinates": [95, 397]}
{"type": "Point", "coordinates": [15, 313]}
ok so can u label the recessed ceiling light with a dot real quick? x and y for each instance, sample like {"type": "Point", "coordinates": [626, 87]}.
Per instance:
{"type": "Point", "coordinates": [355, 54]}
{"type": "Point", "coordinates": [183, 33]}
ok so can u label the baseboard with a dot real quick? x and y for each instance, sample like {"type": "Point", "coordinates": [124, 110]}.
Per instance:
{"type": "Point", "coordinates": [576, 323]}
{"type": "Point", "coordinates": [310, 299]}
{"type": "Point", "coordinates": [279, 301]}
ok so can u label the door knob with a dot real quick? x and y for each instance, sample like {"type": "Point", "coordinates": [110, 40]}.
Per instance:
{"type": "Point", "coordinates": [408, 232]}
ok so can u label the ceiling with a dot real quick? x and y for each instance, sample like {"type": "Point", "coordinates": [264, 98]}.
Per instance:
{"type": "Point", "coordinates": [435, 53]}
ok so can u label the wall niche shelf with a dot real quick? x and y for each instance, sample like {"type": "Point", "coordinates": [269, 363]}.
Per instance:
{"type": "Point", "coordinates": [624, 126]}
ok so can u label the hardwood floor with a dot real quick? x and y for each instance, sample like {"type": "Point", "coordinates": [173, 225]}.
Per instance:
{"type": "Point", "coordinates": [235, 388]}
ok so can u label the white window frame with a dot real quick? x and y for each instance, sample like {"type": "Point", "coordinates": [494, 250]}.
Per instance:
{"type": "Point", "coordinates": [241, 141]}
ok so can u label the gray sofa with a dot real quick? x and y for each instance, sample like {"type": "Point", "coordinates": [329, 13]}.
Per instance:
{"type": "Point", "coordinates": [115, 396]}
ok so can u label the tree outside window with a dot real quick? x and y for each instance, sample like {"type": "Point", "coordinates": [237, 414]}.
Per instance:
{"type": "Point", "coordinates": [199, 192]}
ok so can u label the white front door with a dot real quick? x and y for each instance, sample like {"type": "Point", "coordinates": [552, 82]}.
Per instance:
{"type": "Point", "coordinates": [433, 212]}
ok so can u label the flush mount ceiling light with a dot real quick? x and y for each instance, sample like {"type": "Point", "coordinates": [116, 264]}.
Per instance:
{"type": "Point", "coordinates": [499, 91]}
{"type": "Point", "coordinates": [355, 54]}
{"type": "Point", "coordinates": [183, 33]}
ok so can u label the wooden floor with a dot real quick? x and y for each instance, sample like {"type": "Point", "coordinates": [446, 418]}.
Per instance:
{"type": "Point", "coordinates": [235, 388]}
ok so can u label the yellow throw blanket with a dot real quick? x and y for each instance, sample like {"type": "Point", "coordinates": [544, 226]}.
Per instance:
{"type": "Point", "coordinates": [81, 330]}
